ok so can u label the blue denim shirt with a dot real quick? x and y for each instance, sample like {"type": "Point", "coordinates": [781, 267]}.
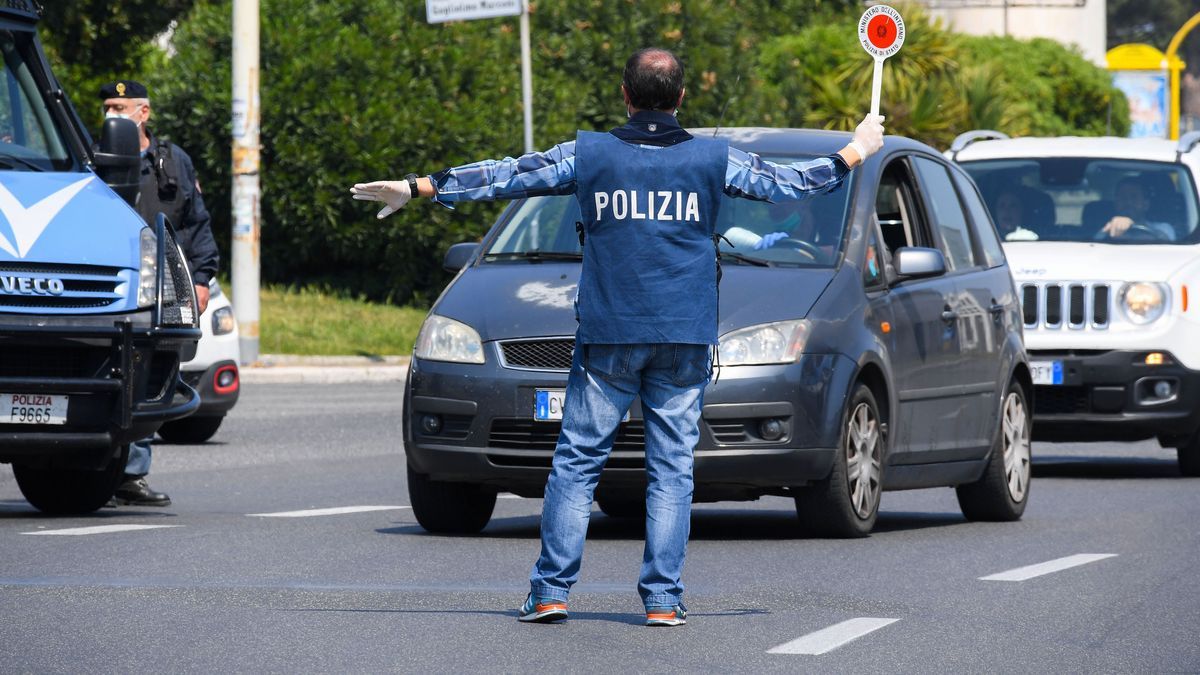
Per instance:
{"type": "Point", "coordinates": [553, 172]}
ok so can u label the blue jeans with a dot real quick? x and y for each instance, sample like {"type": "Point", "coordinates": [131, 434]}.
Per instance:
{"type": "Point", "coordinates": [139, 458]}
{"type": "Point", "coordinates": [604, 380]}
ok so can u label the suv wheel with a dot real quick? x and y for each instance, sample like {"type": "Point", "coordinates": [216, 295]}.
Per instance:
{"type": "Point", "coordinates": [190, 430]}
{"type": "Point", "coordinates": [70, 491]}
{"type": "Point", "coordinates": [449, 508]}
{"type": "Point", "coordinates": [847, 502]}
{"type": "Point", "coordinates": [1003, 491]}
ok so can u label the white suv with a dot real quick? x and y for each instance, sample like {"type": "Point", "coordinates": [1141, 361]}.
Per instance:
{"type": "Point", "coordinates": [1102, 240]}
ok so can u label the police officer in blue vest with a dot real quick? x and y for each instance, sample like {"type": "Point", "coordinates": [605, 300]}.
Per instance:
{"type": "Point", "coordinates": [649, 193]}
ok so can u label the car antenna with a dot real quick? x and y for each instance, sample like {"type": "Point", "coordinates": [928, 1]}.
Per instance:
{"type": "Point", "coordinates": [732, 95]}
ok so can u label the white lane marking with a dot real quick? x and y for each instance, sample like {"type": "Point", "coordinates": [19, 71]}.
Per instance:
{"type": "Point", "coordinates": [1056, 565]}
{"type": "Point", "coordinates": [100, 529]}
{"type": "Point", "coordinates": [335, 511]}
{"type": "Point", "coordinates": [828, 639]}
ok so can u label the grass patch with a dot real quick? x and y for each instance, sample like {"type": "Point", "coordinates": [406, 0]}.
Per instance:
{"type": "Point", "coordinates": [313, 322]}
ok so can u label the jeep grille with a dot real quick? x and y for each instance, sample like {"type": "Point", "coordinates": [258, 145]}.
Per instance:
{"type": "Point", "coordinates": [1075, 306]}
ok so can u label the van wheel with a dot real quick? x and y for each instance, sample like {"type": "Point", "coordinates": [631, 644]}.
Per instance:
{"type": "Point", "coordinates": [846, 503]}
{"type": "Point", "coordinates": [70, 491]}
{"type": "Point", "coordinates": [1003, 491]}
{"type": "Point", "coordinates": [1189, 457]}
{"type": "Point", "coordinates": [190, 430]}
{"type": "Point", "coordinates": [449, 508]}
{"type": "Point", "coordinates": [622, 508]}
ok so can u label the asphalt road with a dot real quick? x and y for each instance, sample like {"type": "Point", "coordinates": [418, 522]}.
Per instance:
{"type": "Point", "coordinates": [210, 586]}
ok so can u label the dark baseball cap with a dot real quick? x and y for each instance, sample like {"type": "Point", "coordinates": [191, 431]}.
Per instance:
{"type": "Point", "coordinates": [123, 89]}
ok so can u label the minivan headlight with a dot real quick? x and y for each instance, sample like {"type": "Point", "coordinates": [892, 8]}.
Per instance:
{"type": "Point", "coordinates": [779, 342]}
{"type": "Point", "coordinates": [443, 339]}
{"type": "Point", "coordinates": [1143, 302]}
{"type": "Point", "coordinates": [148, 268]}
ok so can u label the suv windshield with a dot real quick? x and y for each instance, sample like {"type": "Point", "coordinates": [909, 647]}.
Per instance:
{"type": "Point", "coordinates": [1111, 201]}
{"type": "Point", "coordinates": [807, 233]}
{"type": "Point", "coordinates": [29, 137]}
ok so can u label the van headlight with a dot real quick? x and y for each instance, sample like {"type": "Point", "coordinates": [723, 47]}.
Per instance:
{"type": "Point", "coordinates": [148, 268]}
{"type": "Point", "coordinates": [1143, 302]}
{"type": "Point", "coordinates": [779, 342]}
{"type": "Point", "coordinates": [443, 339]}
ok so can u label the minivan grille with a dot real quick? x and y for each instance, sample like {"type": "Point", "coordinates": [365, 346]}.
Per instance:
{"type": "Point", "coordinates": [551, 354]}
{"type": "Point", "coordinates": [83, 286]}
{"type": "Point", "coordinates": [1055, 306]}
{"type": "Point", "coordinates": [527, 434]}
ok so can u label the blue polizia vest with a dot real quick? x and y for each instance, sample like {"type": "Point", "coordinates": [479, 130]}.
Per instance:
{"type": "Point", "coordinates": [648, 215]}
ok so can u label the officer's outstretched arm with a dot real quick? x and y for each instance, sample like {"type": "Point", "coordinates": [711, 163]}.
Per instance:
{"type": "Point", "coordinates": [393, 193]}
{"type": "Point", "coordinates": [868, 139]}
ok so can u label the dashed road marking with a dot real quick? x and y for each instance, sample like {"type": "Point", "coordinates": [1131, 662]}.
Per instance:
{"type": "Point", "coordinates": [335, 511]}
{"type": "Point", "coordinates": [1056, 565]}
{"type": "Point", "coordinates": [99, 529]}
{"type": "Point", "coordinates": [828, 639]}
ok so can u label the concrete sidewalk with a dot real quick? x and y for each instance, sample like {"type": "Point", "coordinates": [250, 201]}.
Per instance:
{"type": "Point", "coordinates": [289, 368]}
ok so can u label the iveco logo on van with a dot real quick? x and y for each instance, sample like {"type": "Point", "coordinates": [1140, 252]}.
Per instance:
{"type": "Point", "coordinates": [30, 286]}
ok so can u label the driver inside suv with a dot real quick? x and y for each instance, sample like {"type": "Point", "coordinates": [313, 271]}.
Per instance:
{"type": "Point", "coordinates": [1131, 214]}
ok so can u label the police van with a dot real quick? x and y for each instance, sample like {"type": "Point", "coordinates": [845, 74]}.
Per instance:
{"type": "Point", "coordinates": [1103, 241]}
{"type": "Point", "coordinates": [96, 308]}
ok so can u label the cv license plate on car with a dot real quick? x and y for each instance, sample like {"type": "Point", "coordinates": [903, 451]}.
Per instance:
{"type": "Point", "coordinates": [34, 408]}
{"type": "Point", "coordinates": [1047, 372]}
{"type": "Point", "coordinates": [548, 405]}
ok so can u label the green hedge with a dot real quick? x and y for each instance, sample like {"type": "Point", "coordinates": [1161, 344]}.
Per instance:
{"type": "Point", "coordinates": [365, 89]}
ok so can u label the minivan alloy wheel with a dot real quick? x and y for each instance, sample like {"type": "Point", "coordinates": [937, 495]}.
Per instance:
{"type": "Point", "coordinates": [864, 456]}
{"type": "Point", "coordinates": [1016, 446]}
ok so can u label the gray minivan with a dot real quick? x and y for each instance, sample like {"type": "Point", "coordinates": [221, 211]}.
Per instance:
{"type": "Point", "coordinates": [875, 344]}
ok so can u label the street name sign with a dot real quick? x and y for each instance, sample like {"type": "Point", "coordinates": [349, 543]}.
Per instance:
{"type": "Point", "coordinates": [438, 11]}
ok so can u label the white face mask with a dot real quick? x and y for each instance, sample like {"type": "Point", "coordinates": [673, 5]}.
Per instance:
{"type": "Point", "coordinates": [123, 116]}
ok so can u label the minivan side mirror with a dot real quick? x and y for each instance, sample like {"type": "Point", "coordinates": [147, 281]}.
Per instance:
{"type": "Point", "coordinates": [459, 255]}
{"type": "Point", "coordinates": [912, 262]}
{"type": "Point", "coordinates": [119, 157]}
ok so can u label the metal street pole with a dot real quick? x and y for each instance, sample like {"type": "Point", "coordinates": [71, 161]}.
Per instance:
{"type": "Point", "coordinates": [246, 211]}
{"type": "Point", "coordinates": [526, 77]}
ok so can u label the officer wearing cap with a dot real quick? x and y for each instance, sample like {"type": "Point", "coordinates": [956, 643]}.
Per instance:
{"type": "Point", "coordinates": [168, 186]}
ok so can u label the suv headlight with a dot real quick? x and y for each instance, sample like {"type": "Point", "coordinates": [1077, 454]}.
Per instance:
{"type": "Point", "coordinates": [779, 342]}
{"type": "Point", "coordinates": [1143, 302]}
{"type": "Point", "coordinates": [443, 339]}
{"type": "Point", "coordinates": [148, 268]}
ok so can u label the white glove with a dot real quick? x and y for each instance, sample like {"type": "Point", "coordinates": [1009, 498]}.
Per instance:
{"type": "Point", "coordinates": [868, 136]}
{"type": "Point", "coordinates": [394, 193]}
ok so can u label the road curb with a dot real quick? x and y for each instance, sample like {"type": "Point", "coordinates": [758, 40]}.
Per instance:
{"type": "Point", "coordinates": [291, 369]}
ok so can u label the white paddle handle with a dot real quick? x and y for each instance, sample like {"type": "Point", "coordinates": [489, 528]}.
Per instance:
{"type": "Point", "coordinates": [876, 85]}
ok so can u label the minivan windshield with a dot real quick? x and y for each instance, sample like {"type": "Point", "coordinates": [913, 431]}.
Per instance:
{"type": "Point", "coordinates": [30, 139]}
{"type": "Point", "coordinates": [807, 233]}
{"type": "Point", "coordinates": [1111, 201]}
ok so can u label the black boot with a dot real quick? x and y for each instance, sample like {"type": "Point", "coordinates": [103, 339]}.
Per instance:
{"type": "Point", "coordinates": [134, 491]}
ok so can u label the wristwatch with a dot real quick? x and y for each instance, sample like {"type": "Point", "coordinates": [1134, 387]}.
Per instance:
{"type": "Point", "coordinates": [412, 184]}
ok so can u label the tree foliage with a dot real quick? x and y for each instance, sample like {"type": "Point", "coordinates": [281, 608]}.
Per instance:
{"type": "Point", "coordinates": [91, 42]}
{"type": "Point", "coordinates": [366, 89]}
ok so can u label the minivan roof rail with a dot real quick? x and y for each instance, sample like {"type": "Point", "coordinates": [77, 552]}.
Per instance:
{"type": "Point", "coordinates": [965, 139]}
{"type": "Point", "coordinates": [1187, 143]}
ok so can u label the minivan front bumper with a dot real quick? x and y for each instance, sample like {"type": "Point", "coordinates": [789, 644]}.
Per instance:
{"type": "Point", "coordinates": [474, 423]}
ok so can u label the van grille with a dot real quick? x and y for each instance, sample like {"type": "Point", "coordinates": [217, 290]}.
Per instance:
{"type": "Point", "coordinates": [550, 354]}
{"type": "Point", "coordinates": [83, 286]}
{"type": "Point", "coordinates": [1076, 306]}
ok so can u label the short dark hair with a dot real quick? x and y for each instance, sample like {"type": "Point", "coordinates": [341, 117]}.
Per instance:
{"type": "Point", "coordinates": [653, 79]}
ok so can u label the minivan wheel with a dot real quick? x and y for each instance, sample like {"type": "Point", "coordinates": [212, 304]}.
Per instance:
{"type": "Point", "coordinates": [1189, 457]}
{"type": "Point", "coordinates": [63, 492]}
{"type": "Point", "coordinates": [846, 503]}
{"type": "Point", "coordinates": [449, 508]}
{"type": "Point", "coordinates": [1003, 491]}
